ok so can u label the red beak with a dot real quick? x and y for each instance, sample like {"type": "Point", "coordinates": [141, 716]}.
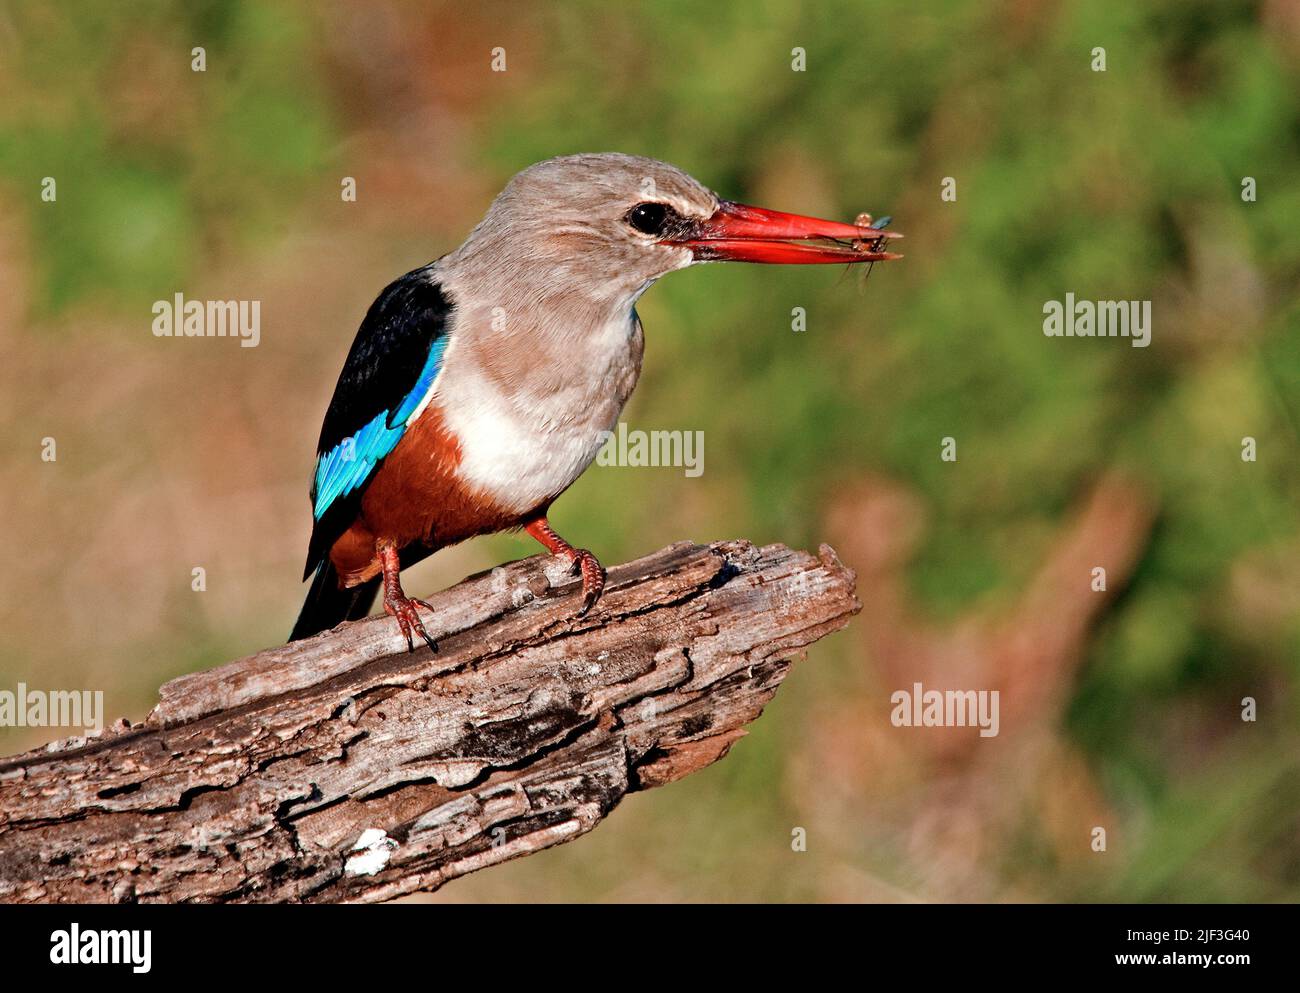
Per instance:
{"type": "Point", "coordinates": [738, 233]}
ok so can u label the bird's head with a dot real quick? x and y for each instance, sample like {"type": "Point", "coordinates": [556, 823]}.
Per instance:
{"type": "Point", "coordinates": [622, 221]}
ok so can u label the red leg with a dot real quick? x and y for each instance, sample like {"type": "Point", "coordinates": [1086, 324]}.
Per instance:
{"type": "Point", "coordinates": [398, 604]}
{"type": "Point", "coordinates": [593, 573]}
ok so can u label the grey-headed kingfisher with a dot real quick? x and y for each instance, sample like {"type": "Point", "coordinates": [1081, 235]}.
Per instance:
{"type": "Point", "coordinates": [479, 387]}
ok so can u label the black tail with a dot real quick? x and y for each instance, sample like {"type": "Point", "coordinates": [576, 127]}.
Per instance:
{"type": "Point", "coordinates": [327, 605]}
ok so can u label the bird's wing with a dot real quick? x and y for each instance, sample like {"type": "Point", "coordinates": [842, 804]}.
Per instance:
{"type": "Point", "coordinates": [386, 380]}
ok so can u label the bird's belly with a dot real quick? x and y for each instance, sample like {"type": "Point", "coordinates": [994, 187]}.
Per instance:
{"type": "Point", "coordinates": [524, 448]}
{"type": "Point", "coordinates": [524, 460]}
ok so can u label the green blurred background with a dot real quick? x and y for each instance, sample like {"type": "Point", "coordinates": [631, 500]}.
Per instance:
{"type": "Point", "coordinates": [1119, 709]}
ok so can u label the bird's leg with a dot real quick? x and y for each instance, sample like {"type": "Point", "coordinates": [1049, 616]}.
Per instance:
{"type": "Point", "coordinates": [398, 604]}
{"type": "Point", "coordinates": [581, 560]}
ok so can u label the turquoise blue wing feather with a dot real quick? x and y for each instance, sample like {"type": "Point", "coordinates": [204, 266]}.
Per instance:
{"type": "Point", "coordinates": [392, 366]}
{"type": "Point", "coordinates": [349, 464]}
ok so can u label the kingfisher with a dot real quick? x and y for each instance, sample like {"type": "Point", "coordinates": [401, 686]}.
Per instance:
{"type": "Point", "coordinates": [481, 385]}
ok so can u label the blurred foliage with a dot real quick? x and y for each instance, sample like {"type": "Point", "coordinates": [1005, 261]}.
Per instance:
{"type": "Point", "coordinates": [175, 170]}
{"type": "Point", "coordinates": [1117, 185]}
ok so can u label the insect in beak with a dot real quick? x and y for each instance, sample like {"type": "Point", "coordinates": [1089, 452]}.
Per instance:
{"type": "Point", "coordinates": [864, 221]}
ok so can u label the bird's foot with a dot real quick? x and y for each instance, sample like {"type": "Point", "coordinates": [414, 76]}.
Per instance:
{"type": "Point", "coordinates": [593, 576]}
{"type": "Point", "coordinates": [400, 606]}
{"type": "Point", "coordinates": [580, 560]}
{"type": "Point", "coordinates": [405, 610]}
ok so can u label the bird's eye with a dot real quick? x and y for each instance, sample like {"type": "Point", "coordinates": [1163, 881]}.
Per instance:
{"type": "Point", "coordinates": [650, 218]}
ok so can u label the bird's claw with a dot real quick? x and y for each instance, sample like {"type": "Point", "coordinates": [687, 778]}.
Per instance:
{"type": "Point", "coordinates": [408, 619]}
{"type": "Point", "coordinates": [593, 577]}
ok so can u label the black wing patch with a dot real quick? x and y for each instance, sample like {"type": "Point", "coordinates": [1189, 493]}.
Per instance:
{"type": "Point", "coordinates": [393, 362]}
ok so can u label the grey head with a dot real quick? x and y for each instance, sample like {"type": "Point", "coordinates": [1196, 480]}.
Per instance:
{"type": "Point", "coordinates": [591, 223]}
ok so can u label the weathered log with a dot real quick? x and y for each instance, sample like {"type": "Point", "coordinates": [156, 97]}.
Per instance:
{"type": "Point", "coordinates": [344, 768]}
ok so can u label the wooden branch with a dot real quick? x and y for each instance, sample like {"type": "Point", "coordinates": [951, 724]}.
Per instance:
{"type": "Point", "coordinates": [343, 768]}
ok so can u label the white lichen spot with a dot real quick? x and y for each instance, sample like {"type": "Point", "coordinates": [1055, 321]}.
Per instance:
{"type": "Point", "coordinates": [453, 775]}
{"type": "Point", "coordinates": [376, 849]}
{"type": "Point", "coordinates": [558, 570]}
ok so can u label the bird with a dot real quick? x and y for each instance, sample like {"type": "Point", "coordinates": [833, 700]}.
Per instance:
{"type": "Point", "coordinates": [480, 386]}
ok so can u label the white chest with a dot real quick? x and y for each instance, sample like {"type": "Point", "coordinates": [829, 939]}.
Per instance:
{"type": "Point", "coordinates": [525, 445]}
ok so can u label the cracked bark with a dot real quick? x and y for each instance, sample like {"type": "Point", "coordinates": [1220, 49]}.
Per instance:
{"type": "Point", "coordinates": [343, 769]}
